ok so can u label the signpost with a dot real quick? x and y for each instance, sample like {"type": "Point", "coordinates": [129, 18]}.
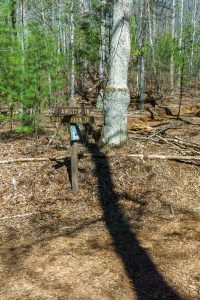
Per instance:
{"type": "Point", "coordinates": [73, 116]}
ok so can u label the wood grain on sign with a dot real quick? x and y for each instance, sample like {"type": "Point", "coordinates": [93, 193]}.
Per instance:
{"type": "Point", "coordinates": [56, 119]}
{"type": "Point", "coordinates": [61, 111]}
{"type": "Point", "coordinates": [73, 119]}
{"type": "Point", "coordinates": [82, 120]}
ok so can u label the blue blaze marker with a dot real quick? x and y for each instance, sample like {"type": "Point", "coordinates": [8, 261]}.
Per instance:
{"type": "Point", "coordinates": [75, 133]}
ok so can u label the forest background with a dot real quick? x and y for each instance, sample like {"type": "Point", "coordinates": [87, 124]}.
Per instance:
{"type": "Point", "coordinates": [52, 52]}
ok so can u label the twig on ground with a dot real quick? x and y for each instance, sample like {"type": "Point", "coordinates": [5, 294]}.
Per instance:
{"type": "Point", "coordinates": [161, 124]}
{"type": "Point", "coordinates": [54, 135]}
{"type": "Point", "coordinates": [186, 121]}
{"type": "Point", "coordinates": [160, 138]}
{"type": "Point", "coordinates": [19, 216]}
{"type": "Point", "coordinates": [164, 157]}
{"type": "Point", "coordinates": [186, 143]}
{"type": "Point", "coordinates": [32, 159]}
{"type": "Point", "coordinates": [171, 210]}
{"type": "Point", "coordinates": [160, 131]}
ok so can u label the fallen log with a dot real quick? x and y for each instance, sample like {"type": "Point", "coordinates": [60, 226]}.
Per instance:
{"type": "Point", "coordinates": [164, 157]}
{"type": "Point", "coordinates": [142, 156]}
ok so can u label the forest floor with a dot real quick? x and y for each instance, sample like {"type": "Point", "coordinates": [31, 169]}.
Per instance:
{"type": "Point", "coordinates": [133, 231]}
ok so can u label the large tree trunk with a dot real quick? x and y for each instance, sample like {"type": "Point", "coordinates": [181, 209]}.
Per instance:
{"type": "Point", "coordinates": [117, 96]}
{"type": "Point", "coordinates": [141, 35]}
{"type": "Point", "coordinates": [72, 100]}
{"type": "Point", "coordinates": [172, 51]}
{"type": "Point", "coordinates": [102, 52]}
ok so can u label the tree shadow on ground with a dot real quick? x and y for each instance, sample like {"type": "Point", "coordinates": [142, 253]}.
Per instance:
{"type": "Point", "coordinates": [145, 279]}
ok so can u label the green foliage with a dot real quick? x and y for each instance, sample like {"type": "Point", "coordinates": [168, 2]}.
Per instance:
{"type": "Point", "coordinates": [25, 129]}
{"type": "Point", "coordinates": [88, 40]}
{"type": "Point", "coordinates": [166, 45]}
{"type": "Point", "coordinates": [37, 76]}
{"type": "Point", "coordinates": [3, 118]}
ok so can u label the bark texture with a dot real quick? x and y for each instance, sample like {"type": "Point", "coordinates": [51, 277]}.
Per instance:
{"type": "Point", "coordinates": [102, 52]}
{"type": "Point", "coordinates": [117, 96]}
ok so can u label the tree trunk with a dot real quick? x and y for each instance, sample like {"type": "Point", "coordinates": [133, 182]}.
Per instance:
{"type": "Point", "coordinates": [21, 37]}
{"type": "Point", "coordinates": [117, 96]}
{"type": "Point", "coordinates": [102, 54]}
{"type": "Point", "coordinates": [180, 41]}
{"type": "Point", "coordinates": [72, 101]}
{"type": "Point", "coordinates": [46, 45]}
{"type": "Point", "coordinates": [141, 80]}
{"type": "Point", "coordinates": [141, 59]}
{"type": "Point", "coordinates": [13, 15]}
{"type": "Point", "coordinates": [152, 44]}
{"type": "Point", "coordinates": [172, 50]}
{"type": "Point", "coordinates": [192, 50]}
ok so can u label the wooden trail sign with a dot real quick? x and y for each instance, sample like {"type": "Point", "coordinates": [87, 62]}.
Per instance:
{"type": "Point", "coordinates": [62, 111]}
{"type": "Point", "coordinates": [73, 116]}
{"type": "Point", "coordinates": [72, 119]}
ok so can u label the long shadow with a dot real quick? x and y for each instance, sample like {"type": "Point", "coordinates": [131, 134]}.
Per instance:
{"type": "Point", "coordinates": [146, 280]}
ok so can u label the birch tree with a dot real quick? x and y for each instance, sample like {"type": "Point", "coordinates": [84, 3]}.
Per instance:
{"type": "Point", "coordinates": [117, 96]}
{"type": "Point", "coordinates": [152, 42]}
{"type": "Point", "coordinates": [192, 47]}
{"type": "Point", "coordinates": [141, 56]}
{"type": "Point", "coordinates": [102, 54]}
{"type": "Point", "coordinates": [172, 51]}
{"type": "Point", "coordinates": [180, 39]}
{"type": "Point", "coordinates": [72, 100]}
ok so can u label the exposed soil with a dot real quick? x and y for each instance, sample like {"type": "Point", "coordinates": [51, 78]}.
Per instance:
{"type": "Point", "coordinates": [133, 231]}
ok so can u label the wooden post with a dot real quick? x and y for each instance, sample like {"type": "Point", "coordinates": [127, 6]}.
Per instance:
{"type": "Point", "coordinates": [74, 138]}
{"type": "Point", "coordinates": [73, 116]}
{"type": "Point", "coordinates": [74, 168]}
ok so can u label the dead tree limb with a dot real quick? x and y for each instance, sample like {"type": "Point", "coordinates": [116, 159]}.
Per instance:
{"type": "Point", "coordinates": [164, 157]}
{"type": "Point", "coordinates": [142, 156]}
{"type": "Point", "coordinates": [19, 216]}
{"type": "Point", "coordinates": [21, 160]}
{"type": "Point", "coordinates": [186, 143]}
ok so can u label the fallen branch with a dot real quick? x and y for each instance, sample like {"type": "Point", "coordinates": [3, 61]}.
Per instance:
{"type": "Point", "coordinates": [186, 121]}
{"type": "Point", "coordinates": [164, 157]}
{"type": "Point", "coordinates": [186, 143]}
{"type": "Point", "coordinates": [157, 132]}
{"type": "Point", "coordinates": [19, 216]}
{"type": "Point", "coordinates": [161, 124]}
{"type": "Point", "coordinates": [142, 156]}
{"type": "Point", "coordinates": [10, 161]}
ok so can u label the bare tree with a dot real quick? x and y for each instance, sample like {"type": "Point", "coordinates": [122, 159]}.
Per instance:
{"type": "Point", "coordinates": [102, 54]}
{"type": "Point", "coordinates": [141, 35]}
{"type": "Point", "coordinates": [117, 96]}
{"type": "Point", "coordinates": [72, 101]}
{"type": "Point", "coordinates": [180, 39]}
{"type": "Point", "coordinates": [172, 51]}
{"type": "Point", "coordinates": [192, 47]}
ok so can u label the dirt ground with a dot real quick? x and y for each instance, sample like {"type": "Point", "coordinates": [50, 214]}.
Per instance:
{"type": "Point", "coordinates": [133, 231]}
